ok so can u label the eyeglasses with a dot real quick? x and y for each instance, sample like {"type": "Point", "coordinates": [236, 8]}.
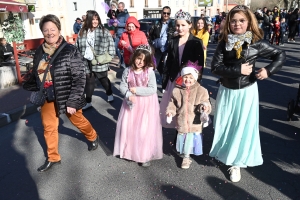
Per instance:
{"type": "Point", "coordinates": [166, 13]}
{"type": "Point", "coordinates": [234, 21]}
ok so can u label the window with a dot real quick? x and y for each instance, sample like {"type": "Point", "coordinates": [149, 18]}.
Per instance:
{"type": "Point", "coordinates": [168, 3]}
{"type": "Point", "coordinates": [196, 2]}
{"type": "Point", "coordinates": [176, 3]}
{"type": "Point", "coordinates": [50, 3]}
{"type": "Point", "coordinates": [36, 3]}
{"type": "Point", "coordinates": [146, 3]}
{"type": "Point", "coordinates": [75, 6]}
{"type": "Point", "coordinates": [131, 3]}
{"type": "Point", "coordinates": [59, 3]}
{"type": "Point", "coordinates": [159, 3]}
{"type": "Point", "coordinates": [183, 2]}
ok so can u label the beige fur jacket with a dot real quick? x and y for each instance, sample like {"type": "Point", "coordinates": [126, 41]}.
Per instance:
{"type": "Point", "coordinates": [186, 103]}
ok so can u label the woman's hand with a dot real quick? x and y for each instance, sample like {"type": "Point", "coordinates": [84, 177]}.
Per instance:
{"type": "Point", "coordinates": [132, 98]}
{"type": "Point", "coordinates": [169, 115]}
{"type": "Point", "coordinates": [132, 90]}
{"type": "Point", "coordinates": [71, 111]}
{"type": "Point", "coordinates": [204, 47]}
{"type": "Point", "coordinates": [262, 74]}
{"type": "Point", "coordinates": [246, 69]}
{"type": "Point", "coordinates": [123, 43]}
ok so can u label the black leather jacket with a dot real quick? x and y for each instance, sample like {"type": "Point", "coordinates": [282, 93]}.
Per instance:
{"type": "Point", "coordinates": [228, 67]}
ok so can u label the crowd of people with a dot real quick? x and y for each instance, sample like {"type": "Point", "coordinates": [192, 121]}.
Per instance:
{"type": "Point", "coordinates": [178, 51]}
{"type": "Point", "coordinates": [277, 23]}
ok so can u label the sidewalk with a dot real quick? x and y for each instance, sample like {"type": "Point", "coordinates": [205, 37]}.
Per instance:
{"type": "Point", "coordinates": [14, 101]}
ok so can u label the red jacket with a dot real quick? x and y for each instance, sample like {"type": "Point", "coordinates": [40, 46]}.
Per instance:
{"type": "Point", "coordinates": [137, 37]}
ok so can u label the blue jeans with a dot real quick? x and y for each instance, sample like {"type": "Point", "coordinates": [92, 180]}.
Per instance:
{"type": "Point", "coordinates": [117, 39]}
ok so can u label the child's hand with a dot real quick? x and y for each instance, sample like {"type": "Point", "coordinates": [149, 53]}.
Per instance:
{"type": "Point", "coordinates": [132, 98]}
{"type": "Point", "coordinates": [169, 118]}
{"type": "Point", "coordinates": [132, 90]}
{"type": "Point", "coordinates": [262, 74]}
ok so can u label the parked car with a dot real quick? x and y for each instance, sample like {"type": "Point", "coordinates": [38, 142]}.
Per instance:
{"type": "Point", "coordinates": [145, 27]}
{"type": "Point", "coordinates": [151, 20]}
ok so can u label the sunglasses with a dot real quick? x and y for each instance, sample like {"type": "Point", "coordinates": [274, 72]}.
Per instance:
{"type": "Point", "coordinates": [166, 13]}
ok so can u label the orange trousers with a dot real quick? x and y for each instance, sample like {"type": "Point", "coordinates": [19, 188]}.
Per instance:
{"type": "Point", "coordinates": [50, 122]}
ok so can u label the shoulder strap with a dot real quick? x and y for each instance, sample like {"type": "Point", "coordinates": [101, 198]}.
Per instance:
{"type": "Point", "coordinates": [130, 41]}
{"type": "Point", "coordinates": [48, 66]}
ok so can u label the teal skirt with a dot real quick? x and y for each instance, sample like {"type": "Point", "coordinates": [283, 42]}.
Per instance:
{"type": "Point", "coordinates": [236, 141]}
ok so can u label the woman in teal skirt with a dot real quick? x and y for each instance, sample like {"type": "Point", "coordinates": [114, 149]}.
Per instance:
{"type": "Point", "coordinates": [236, 141]}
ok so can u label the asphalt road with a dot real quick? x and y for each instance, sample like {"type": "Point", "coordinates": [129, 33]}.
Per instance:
{"type": "Point", "coordinates": [98, 175]}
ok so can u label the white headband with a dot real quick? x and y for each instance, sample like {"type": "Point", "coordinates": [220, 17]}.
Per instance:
{"type": "Point", "coordinates": [189, 70]}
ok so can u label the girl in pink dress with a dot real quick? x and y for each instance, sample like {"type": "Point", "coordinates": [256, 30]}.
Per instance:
{"type": "Point", "coordinates": [139, 131]}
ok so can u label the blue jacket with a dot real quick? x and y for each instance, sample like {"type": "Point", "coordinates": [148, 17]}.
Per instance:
{"type": "Point", "coordinates": [76, 27]}
{"type": "Point", "coordinates": [122, 18]}
{"type": "Point", "coordinates": [283, 26]}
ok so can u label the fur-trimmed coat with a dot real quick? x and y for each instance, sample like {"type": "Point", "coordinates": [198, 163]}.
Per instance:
{"type": "Point", "coordinates": [103, 43]}
{"type": "Point", "coordinates": [186, 103]}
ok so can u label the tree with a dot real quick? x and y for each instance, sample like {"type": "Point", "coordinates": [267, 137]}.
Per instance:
{"type": "Point", "coordinates": [13, 29]}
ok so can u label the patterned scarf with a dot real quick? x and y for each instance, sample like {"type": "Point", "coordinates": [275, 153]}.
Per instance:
{"type": "Point", "coordinates": [236, 42]}
{"type": "Point", "coordinates": [49, 50]}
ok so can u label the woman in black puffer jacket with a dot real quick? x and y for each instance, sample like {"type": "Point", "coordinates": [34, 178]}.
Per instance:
{"type": "Point", "coordinates": [64, 87]}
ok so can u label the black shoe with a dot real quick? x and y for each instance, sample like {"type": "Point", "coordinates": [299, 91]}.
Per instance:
{"type": "Point", "coordinates": [47, 165]}
{"type": "Point", "coordinates": [94, 145]}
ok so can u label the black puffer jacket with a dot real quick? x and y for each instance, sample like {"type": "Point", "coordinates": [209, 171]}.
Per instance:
{"type": "Point", "coordinates": [226, 65]}
{"type": "Point", "coordinates": [68, 75]}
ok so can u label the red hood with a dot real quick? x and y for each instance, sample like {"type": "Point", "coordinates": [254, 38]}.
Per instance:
{"type": "Point", "coordinates": [134, 21]}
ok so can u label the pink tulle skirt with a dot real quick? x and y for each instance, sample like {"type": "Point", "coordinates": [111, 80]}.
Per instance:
{"type": "Point", "coordinates": [163, 106]}
{"type": "Point", "coordinates": [139, 132]}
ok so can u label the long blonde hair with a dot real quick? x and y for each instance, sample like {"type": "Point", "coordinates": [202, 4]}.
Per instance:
{"type": "Point", "coordinates": [257, 33]}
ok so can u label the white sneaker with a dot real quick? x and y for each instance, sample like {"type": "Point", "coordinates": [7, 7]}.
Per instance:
{"type": "Point", "coordinates": [186, 162]}
{"type": "Point", "coordinates": [235, 174]}
{"type": "Point", "coordinates": [110, 98]}
{"type": "Point", "coordinates": [88, 105]}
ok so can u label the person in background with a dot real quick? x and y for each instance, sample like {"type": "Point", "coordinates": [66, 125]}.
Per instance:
{"type": "Point", "coordinates": [112, 13]}
{"type": "Point", "coordinates": [77, 25]}
{"type": "Point", "coordinates": [131, 39]}
{"type": "Point", "coordinates": [67, 78]}
{"type": "Point", "coordinates": [276, 31]}
{"type": "Point", "coordinates": [160, 33]}
{"type": "Point", "coordinates": [122, 16]}
{"type": "Point", "coordinates": [267, 24]}
{"type": "Point", "coordinates": [93, 36]}
{"type": "Point", "coordinates": [83, 17]}
{"type": "Point", "coordinates": [201, 32]}
{"type": "Point", "coordinates": [283, 29]}
{"type": "Point", "coordinates": [293, 25]}
{"type": "Point", "coordinates": [6, 50]}
{"type": "Point", "coordinates": [276, 13]}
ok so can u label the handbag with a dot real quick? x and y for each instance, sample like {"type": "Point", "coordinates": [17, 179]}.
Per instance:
{"type": "Point", "coordinates": [30, 84]}
{"type": "Point", "coordinates": [38, 98]}
{"type": "Point", "coordinates": [100, 59]}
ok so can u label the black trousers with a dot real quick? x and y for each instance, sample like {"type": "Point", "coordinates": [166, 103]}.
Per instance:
{"type": "Point", "coordinates": [282, 37]}
{"type": "Point", "coordinates": [90, 84]}
{"type": "Point", "coordinates": [160, 58]}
